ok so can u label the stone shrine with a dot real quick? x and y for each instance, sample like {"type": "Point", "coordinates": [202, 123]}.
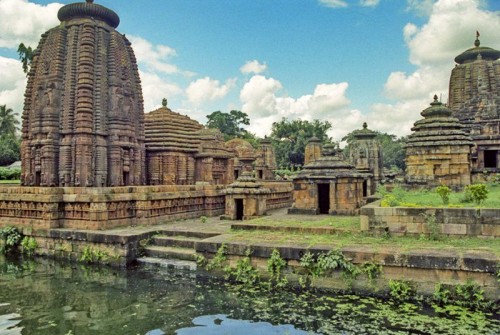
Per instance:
{"type": "Point", "coordinates": [438, 150]}
{"type": "Point", "coordinates": [83, 111]}
{"type": "Point", "coordinates": [312, 150]}
{"type": "Point", "coordinates": [474, 98]}
{"type": "Point", "coordinates": [328, 185]}
{"type": "Point", "coordinates": [366, 156]}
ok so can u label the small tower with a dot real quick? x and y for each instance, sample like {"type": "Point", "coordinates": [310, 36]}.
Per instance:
{"type": "Point", "coordinates": [313, 150]}
{"type": "Point", "coordinates": [438, 150]}
{"type": "Point", "coordinates": [366, 155]}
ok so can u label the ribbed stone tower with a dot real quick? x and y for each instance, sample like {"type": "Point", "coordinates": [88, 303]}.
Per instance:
{"type": "Point", "coordinates": [83, 119]}
{"type": "Point", "coordinates": [438, 150]}
{"type": "Point", "coordinates": [312, 150]}
{"type": "Point", "coordinates": [474, 98]}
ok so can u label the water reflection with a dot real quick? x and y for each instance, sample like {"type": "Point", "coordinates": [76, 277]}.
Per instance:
{"type": "Point", "coordinates": [45, 297]}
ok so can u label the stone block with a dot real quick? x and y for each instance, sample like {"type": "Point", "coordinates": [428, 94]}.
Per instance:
{"type": "Point", "coordinates": [455, 229]}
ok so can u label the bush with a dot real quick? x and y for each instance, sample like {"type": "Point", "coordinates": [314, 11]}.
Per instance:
{"type": "Point", "coordinates": [477, 193]}
{"type": "Point", "coordinates": [444, 192]}
{"type": "Point", "coordinates": [10, 174]}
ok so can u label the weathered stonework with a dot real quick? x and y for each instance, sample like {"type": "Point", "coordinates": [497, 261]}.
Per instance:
{"type": "Point", "coordinates": [474, 98]}
{"type": "Point", "coordinates": [328, 185]}
{"type": "Point", "coordinates": [438, 150]}
{"type": "Point", "coordinates": [245, 198]}
{"type": "Point", "coordinates": [83, 110]}
{"type": "Point", "coordinates": [312, 150]}
{"type": "Point", "coordinates": [366, 156]}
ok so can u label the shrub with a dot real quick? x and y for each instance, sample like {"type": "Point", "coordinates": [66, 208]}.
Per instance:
{"type": "Point", "coordinates": [444, 192]}
{"type": "Point", "coordinates": [477, 193]}
{"type": "Point", "coordinates": [401, 290]}
{"type": "Point", "coordinates": [10, 174]}
{"type": "Point", "coordinates": [29, 245]}
{"type": "Point", "coordinates": [11, 238]}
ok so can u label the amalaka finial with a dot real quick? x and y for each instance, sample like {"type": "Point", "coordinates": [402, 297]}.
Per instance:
{"type": "Point", "coordinates": [477, 43]}
{"type": "Point", "coordinates": [164, 102]}
{"type": "Point", "coordinates": [365, 125]}
{"type": "Point", "coordinates": [435, 98]}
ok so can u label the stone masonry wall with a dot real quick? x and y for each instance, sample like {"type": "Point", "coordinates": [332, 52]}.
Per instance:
{"type": "Point", "coordinates": [451, 221]}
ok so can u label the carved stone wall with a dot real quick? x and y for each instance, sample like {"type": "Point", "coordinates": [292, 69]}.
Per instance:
{"type": "Point", "coordinates": [83, 111]}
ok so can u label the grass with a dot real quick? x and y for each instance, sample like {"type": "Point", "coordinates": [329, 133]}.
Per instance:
{"type": "Point", "coordinates": [403, 243]}
{"type": "Point", "coordinates": [430, 198]}
{"type": "Point", "coordinates": [10, 182]}
{"type": "Point", "coordinates": [345, 222]}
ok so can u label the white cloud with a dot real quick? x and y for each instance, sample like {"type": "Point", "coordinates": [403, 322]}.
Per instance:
{"type": "Point", "coordinates": [369, 3]}
{"type": "Point", "coordinates": [253, 67]}
{"type": "Point", "coordinates": [333, 3]}
{"type": "Point", "coordinates": [12, 85]}
{"type": "Point", "coordinates": [155, 88]}
{"type": "Point", "coordinates": [421, 7]}
{"type": "Point", "coordinates": [264, 104]}
{"type": "Point", "coordinates": [206, 89]}
{"type": "Point", "coordinates": [24, 22]}
{"type": "Point", "coordinates": [449, 31]}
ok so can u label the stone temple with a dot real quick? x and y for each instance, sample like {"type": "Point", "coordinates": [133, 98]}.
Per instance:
{"type": "Point", "coordinates": [474, 98]}
{"type": "Point", "coordinates": [83, 113]}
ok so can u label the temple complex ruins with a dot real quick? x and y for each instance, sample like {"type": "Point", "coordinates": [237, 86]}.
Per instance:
{"type": "Point", "coordinates": [83, 112]}
{"type": "Point", "coordinates": [438, 150]}
{"type": "Point", "coordinates": [474, 98]}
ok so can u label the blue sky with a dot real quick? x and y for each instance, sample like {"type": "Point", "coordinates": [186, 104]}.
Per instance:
{"type": "Point", "coordinates": [344, 61]}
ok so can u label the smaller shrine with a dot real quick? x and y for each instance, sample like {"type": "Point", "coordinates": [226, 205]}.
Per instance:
{"type": "Point", "coordinates": [328, 185]}
{"type": "Point", "coordinates": [438, 150]}
{"type": "Point", "coordinates": [366, 156]}
{"type": "Point", "coordinates": [245, 198]}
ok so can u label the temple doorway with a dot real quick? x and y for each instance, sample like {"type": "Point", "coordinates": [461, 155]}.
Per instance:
{"type": "Point", "coordinates": [239, 209]}
{"type": "Point", "coordinates": [324, 198]}
{"type": "Point", "coordinates": [491, 158]}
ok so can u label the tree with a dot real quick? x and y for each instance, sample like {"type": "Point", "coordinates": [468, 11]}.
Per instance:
{"type": "Point", "coordinates": [290, 139]}
{"type": "Point", "coordinates": [9, 149]}
{"type": "Point", "coordinates": [393, 152]}
{"type": "Point", "coordinates": [26, 56]}
{"type": "Point", "coordinates": [8, 121]}
{"type": "Point", "coordinates": [229, 124]}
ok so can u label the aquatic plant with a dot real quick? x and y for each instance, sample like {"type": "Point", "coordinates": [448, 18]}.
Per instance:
{"type": "Point", "coordinates": [29, 245]}
{"type": "Point", "coordinates": [91, 255]}
{"type": "Point", "coordinates": [11, 239]}
{"type": "Point", "coordinates": [275, 266]}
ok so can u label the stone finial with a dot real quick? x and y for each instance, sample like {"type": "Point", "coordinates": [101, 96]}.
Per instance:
{"type": "Point", "coordinates": [477, 43]}
{"type": "Point", "coordinates": [164, 102]}
{"type": "Point", "coordinates": [365, 125]}
{"type": "Point", "coordinates": [435, 98]}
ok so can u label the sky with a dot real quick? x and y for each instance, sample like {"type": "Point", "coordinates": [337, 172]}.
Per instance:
{"type": "Point", "coordinates": [344, 61]}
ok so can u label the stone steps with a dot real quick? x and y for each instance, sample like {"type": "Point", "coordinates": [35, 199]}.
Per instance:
{"type": "Point", "coordinates": [167, 263]}
{"type": "Point", "coordinates": [175, 241]}
{"type": "Point", "coordinates": [185, 254]}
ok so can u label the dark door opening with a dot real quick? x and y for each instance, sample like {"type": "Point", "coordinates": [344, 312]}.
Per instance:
{"type": "Point", "coordinates": [236, 174]}
{"type": "Point", "coordinates": [239, 209]}
{"type": "Point", "coordinates": [261, 174]}
{"type": "Point", "coordinates": [365, 188]}
{"type": "Point", "coordinates": [324, 198]}
{"type": "Point", "coordinates": [491, 158]}
{"type": "Point", "coordinates": [38, 178]}
{"type": "Point", "coordinates": [126, 180]}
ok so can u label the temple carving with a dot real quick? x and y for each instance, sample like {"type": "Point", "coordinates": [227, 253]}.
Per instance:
{"type": "Point", "coordinates": [83, 114]}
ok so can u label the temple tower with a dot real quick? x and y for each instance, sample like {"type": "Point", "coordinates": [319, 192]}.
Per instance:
{"type": "Point", "coordinates": [438, 150]}
{"type": "Point", "coordinates": [366, 156]}
{"type": "Point", "coordinates": [83, 118]}
{"type": "Point", "coordinates": [474, 98]}
{"type": "Point", "coordinates": [312, 150]}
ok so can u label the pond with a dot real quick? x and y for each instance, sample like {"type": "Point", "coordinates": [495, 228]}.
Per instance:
{"type": "Point", "coordinates": [46, 297]}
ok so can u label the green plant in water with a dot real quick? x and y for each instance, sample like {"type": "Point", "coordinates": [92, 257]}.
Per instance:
{"type": "Point", "coordinates": [203, 219]}
{"type": "Point", "coordinates": [325, 262]}
{"type": "Point", "coordinates": [432, 226]}
{"type": "Point", "coordinates": [444, 192]}
{"type": "Point", "coordinates": [29, 245]}
{"type": "Point", "coordinates": [91, 255]}
{"type": "Point", "coordinates": [470, 295]}
{"type": "Point", "coordinates": [201, 260]}
{"type": "Point", "coordinates": [244, 272]}
{"type": "Point", "coordinates": [11, 239]}
{"type": "Point", "coordinates": [219, 259]}
{"type": "Point", "coordinates": [442, 295]}
{"type": "Point", "coordinates": [401, 290]}
{"type": "Point", "coordinates": [371, 270]}
{"type": "Point", "coordinates": [477, 193]}
{"type": "Point", "coordinates": [275, 266]}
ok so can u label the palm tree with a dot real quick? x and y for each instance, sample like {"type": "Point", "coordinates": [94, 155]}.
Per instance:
{"type": "Point", "coordinates": [8, 121]}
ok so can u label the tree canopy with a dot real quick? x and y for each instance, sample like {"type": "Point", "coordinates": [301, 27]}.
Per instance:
{"type": "Point", "coordinates": [8, 121]}
{"type": "Point", "coordinates": [230, 124]}
{"type": "Point", "coordinates": [26, 56]}
{"type": "Point", "coordinates": [290, 139]}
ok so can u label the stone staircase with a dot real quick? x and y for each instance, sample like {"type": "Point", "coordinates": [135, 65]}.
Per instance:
{"type": "Point", "coordinates": [174, 249]}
